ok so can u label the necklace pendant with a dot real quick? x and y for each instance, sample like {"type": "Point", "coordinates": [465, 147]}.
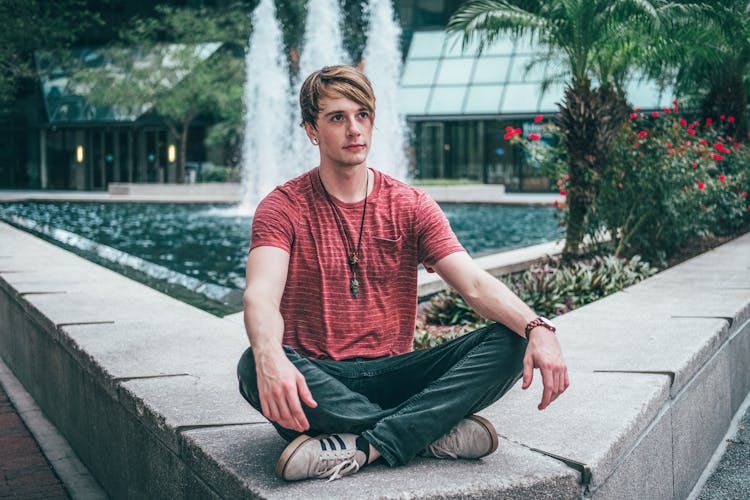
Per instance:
{"type": "Point", "coordinates": [353, 259]}
{"type": "Point", "coordinates": [354, 287]}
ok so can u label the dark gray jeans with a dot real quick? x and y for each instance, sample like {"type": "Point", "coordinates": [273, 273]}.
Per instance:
{"type": "Point", "coordinates": [403, 403]}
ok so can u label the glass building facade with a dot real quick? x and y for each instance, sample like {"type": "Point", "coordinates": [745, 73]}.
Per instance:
{"type": "Point", "coordinates": [459, 102]}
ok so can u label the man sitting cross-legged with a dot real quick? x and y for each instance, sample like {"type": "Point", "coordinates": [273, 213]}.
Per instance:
{"type": "Point", "coordinates": [330, 309]}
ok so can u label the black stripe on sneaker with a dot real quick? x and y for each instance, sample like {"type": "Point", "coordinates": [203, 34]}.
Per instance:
{"type": "Point", "coordinates": [341, 441]}
{"type": "Point", "coordinates": [330, 443]}
{"type": "Point", "coordinates": [322, 444]}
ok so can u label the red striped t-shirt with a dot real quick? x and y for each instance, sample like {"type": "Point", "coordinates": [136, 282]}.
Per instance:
{"type": "Point", "coordinates": [403, 227]}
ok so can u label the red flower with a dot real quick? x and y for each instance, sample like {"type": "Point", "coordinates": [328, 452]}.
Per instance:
{"type": "Point", "coordinates": [535, 137]}
{"type": "Point", "coordinates": [635, 145]}
{"type": "Point", "coordinates": [688, 143]}
{"type": "Point", "coordinates": [748, 207]}
{"type": "Point", "coordinates": [563, 192]}
{"type": "Point", "coordinates": [722, 117]}
{"type": "Point", "coordinates": [633, 115]}
{"type": "Point", "coordinates": [701, 186]}
{"type": "Point", "coordinates": [671, 151]}
{"type": "Point", "coordinates": [729, 138]}
{"type": "Point", "coordinates": [683, 122]}
{"type": "Point", "coordinates": [655, 114]}
{"type": "Point", "coordinates": [667, 110]}
{"type": "Point", "coordinates": [538, 118]}
{"type": "Point", "coordinates": [717, 157]}
{"type": "Point", "coordinates": [694, 165]}
{"type": "Point", "coordinates": [567, 177]}
{"type": "Point", "coordinates": [709, 121]}
{"type": "Point", "coordinates": [508, 128]}
{"type": "Point", "coordinates": [744, 194]}
{"type": "Point", "coordinates": [512, 132]}
{"type": "Point", "coordinates": [668, 144]}
{"type": "Point", "coordinates": [691, 131]}
{"type": "Point", "coordinates": [730, 119]}
{"type": "Point", "coordinates": [637, 109]}
{"type": "Point", "coordinates": [675, 102]}
{"type": "Point", "coordinates": [704, 142]}
{"type": "Point", "coordinates": [722, 177]}
{"type": "Point", "coordinates": [642, 134]}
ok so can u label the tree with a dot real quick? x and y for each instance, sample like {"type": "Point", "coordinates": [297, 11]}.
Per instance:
{"type": "Point", "coordinates": [715, 69]}
{"type": "Point", "coordinates": [595, 38]}
{"type": "Point", "coordinates": [179, 65]}
{"type": "Point", "coordinates": [33, 25]}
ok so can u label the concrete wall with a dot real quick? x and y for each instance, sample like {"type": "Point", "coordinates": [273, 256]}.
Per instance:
{"type": "Point", "coordinates": [143, 387]}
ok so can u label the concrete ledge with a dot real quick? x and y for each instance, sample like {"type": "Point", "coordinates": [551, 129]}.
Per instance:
{"type": "Point", "coordinates": [143, 388]}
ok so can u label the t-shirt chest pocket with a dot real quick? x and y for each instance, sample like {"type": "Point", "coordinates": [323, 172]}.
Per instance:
{"type": "Point", "coordinates": [384, 258]}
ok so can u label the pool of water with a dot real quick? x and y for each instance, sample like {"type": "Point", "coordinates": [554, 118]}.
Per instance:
{"type": "Point", "coordinates": [194, 245]}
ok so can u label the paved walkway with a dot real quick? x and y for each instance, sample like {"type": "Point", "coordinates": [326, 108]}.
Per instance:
{"type": "Point", "coordinates": [24, 471]}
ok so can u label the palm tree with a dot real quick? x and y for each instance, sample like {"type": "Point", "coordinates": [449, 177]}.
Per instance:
{"type": "Point", "coordinates": [715, 68]}
{"type": "Point", "coordinates": [595, 38]}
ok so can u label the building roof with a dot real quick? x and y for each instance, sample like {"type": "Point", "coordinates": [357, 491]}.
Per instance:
{"type": "Point", "coordinates": [442, 78]}
{"type": "Point", "coordinates": [65, 97]}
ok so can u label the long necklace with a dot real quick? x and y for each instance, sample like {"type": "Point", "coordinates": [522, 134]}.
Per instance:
{"type": "Point", "coordinates": [352, 251]}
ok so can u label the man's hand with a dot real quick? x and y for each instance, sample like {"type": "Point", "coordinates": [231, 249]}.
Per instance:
{"type": "Point", "coordinates": [281, 387]}
{"type": "Point", "coordinates": [544, 352]}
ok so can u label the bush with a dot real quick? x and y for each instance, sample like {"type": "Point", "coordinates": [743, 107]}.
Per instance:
{"type": "Point", "coordinates": [672, 181]}
{"type": "Point", "coordinates": [551, 289]}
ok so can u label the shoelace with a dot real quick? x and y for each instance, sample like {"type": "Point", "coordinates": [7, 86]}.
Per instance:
{"type": "Point", "coordinates": [344, 468]}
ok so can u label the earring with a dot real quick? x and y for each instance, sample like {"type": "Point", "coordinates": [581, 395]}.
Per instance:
{"type": "Point", "coordinates": [315, 141]}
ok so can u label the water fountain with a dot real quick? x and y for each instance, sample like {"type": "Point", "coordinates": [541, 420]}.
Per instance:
{"type": "Point", "coordinates": [267, 113]}
{"type": "Point", "coordinates": [382, 58]}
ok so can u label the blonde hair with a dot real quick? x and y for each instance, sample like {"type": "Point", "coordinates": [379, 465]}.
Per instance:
{"type": "Point", "coordinates": [347, 81]}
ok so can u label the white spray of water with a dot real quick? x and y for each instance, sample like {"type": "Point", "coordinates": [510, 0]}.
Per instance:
{"type": "Point", "coordinates": [322, 46]}
{"type": "Point", "coordinates": [382, 57]}
{"type": "Point", "coordinates": [267, 112]}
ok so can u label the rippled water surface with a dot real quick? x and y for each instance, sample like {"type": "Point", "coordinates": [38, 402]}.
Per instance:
{"type": "Point", "coordinates": [199, 241]}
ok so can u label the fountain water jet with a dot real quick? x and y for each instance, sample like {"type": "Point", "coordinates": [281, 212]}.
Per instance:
{"type": "Point", "coordinates": [267, 112]}
{"type": "Point", "coordinates": [382, 57]}
{"type": "Point", "coordinates": [322, 46]}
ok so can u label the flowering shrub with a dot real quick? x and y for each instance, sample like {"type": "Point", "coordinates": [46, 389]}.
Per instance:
{"type": "Point", "coordinates": [671, 181]}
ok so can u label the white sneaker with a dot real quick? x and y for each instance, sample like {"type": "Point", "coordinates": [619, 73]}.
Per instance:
{"type": "Point", "coordinates": [472, 437]}
{"type": "Point", "coordinates": [329, 456]}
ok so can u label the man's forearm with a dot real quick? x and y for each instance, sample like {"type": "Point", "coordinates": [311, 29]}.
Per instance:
{"type": "Point", "coordinates": [264, 326]}
{"type": "Point", "coordinates": [491, 299]}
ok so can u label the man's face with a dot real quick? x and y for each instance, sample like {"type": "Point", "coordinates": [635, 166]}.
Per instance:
{"type": "Point", "coordinates": [344, 132]}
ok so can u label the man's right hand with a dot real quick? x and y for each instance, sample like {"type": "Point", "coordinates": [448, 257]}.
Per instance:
{"type": "Point", "coordinates": [281, 387]}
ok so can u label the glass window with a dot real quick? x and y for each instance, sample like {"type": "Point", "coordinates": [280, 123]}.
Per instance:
{"type": "Point", "coordinates": [483, 99]}
{"type": "Point", "coordinates": [412, 101]}
{"type": "Point", "coordinates": [455, 71]}
{"type": "Point", "coordinates": [419, 72]}
{"type": "Point", "coordinates": [502, 46]}
{"type": "Point", "coordinates": [646, 95]}
{"type": "Point", "coordinates": [447, 100]}
{"type": "Point", "coordinates": [526, 69]}
{"type": "Point", "coordinates": [521, 98]}
{"type": "Point", "coordinates": [549, 99]}
{"type": "Point", "coordinates": [524, 45]}
{"type": "Point", "coordinates": [491, 69]}
{"type": "Point", "coordinates": [454, 47]}
{"type": "Point", "coordinates": [426, 44]}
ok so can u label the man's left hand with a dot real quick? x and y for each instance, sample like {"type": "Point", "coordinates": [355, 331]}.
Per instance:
{"type": "Point", "coordinates": [544, 352]}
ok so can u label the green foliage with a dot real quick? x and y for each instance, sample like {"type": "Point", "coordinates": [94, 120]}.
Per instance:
{"type": "Point", "coordinates": [31, 25]}
{"type": "Point", "coordinates": [672, 181]}
{"type": "Point", "coordinates": [551, 288]}
{"type": "Point", "coordinates": [220, 173]}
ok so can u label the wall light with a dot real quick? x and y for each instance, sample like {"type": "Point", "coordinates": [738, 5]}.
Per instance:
{"type": "Point", "coordinates": [79, 154]}
{"type": "Point", "coordinates": [171, 153]}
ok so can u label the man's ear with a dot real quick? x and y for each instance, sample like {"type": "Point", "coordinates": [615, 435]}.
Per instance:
{"type": "Point", "coordinates": [310, 131]}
